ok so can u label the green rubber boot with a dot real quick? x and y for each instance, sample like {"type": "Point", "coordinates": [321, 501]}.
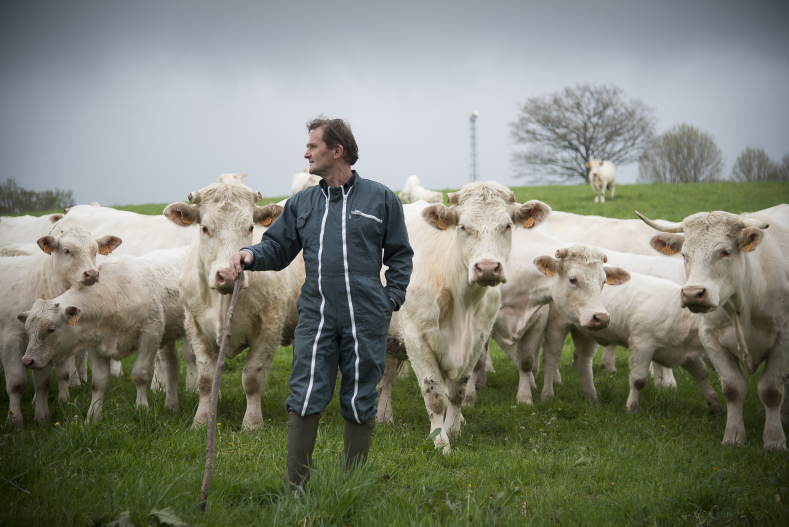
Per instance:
{"type": "Point", "coordinates": [302, 432]}
{"type": "Point", "coordinates": [357, 442]}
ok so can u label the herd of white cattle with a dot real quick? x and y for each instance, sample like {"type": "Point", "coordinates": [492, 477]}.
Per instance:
{"type": "Point", "coordinates": [711, 289]}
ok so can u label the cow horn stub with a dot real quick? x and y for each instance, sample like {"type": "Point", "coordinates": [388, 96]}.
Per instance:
{"type": "Point", "coordinates": [194, 197]}
{"type": "Point", "coordinates": [562, 253]}
{"type": "Point", "coordinates": [753, 222]}
{"type": "Point", "coordinates": [662, 225]}
{"type": "Point", "coordinates": [452, 198]}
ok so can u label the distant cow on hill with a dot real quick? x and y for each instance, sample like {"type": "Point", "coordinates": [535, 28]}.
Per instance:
{"type": "Point", "coordinates": [602, 175]}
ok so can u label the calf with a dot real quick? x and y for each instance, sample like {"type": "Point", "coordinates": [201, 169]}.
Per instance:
{"type": "Point", "coordinates": [265, 314]}
{"type": "Point", "coordinates": [737, 280]}
{"type": "Point", "coordinates": [65, 260]}
{"type": "Point", "coordinates": [135, 307]}
{"type": "Point", "coordinates": [602, 175]}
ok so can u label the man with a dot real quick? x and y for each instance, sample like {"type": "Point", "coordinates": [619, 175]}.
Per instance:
{"type": "Point", "coordinates": [347, 227]}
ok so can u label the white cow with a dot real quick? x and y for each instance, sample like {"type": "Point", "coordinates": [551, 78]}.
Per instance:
{"type": "Point", "coordinates": [65, 260]}
{"type": "Point", "coordinates": [134, 307]}
{"type": "Point", "coordinates": [303, 180]}
{"type": "Point", "coordinates": [141, 234]}
{"type": "Point", "coordinates": [265, 314]}
{"type": "Point", "coordinates": [26, 229]}
{"type": "Point", "coordinates": [738, 280]}
{"type": "Point", "coordinates": [413, 191]}
{"type": "Point", "coordinates": [646, 317]}
{"type": "Point", "coordinates": [232, 178]}
{"type": "Point", "coordinates": [602, 175]}
{"type": "Point", "coordinates": [460, 256]}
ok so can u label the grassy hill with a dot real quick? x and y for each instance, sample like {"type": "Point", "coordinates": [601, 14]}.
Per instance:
{"type": "Point", "coordinates": [560, 462]}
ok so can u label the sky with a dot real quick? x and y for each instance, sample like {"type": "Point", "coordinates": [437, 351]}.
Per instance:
{"type": "Point", "coordinates": [144, 102]}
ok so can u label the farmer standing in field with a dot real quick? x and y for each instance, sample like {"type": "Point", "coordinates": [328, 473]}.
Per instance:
{"type": "Point", "coordinates": [348, 227]}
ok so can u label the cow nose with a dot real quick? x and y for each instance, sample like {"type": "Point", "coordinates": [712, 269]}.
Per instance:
{"type": "Point", "coordinates": [224, 280]}
{"type": "Point", "coordinates": [89, 277]}
{"type": "Point", "coordinates": [693, 295]}
{"type": "Point", "coordinates": [27, 362]}
{"type": "Point", "coordinates": [487, 271]}
{"type": "Point", "coordinates": [599, 321]}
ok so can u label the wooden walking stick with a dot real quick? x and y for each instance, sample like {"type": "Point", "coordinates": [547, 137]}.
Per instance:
{"type": "Point", "coordinates": [211, 432]}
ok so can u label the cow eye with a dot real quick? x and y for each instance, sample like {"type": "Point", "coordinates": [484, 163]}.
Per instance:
{"type": "Point", "coordinates": [51, 329]}
{"type": "Point", "coordinates": [66, 251]}
{"type": "Point", "coordinates": [725, 253]}
{"type": "Point", "coordinates": [251, 228]}
{"type": "Point", "coordinates": [508, 227]}
{"type": "Point", "coordinates": [204, 229]}
{"type": "Point", "coordinates": [462, 227]}
{"type": "Point", "coordinates": [573, 280]}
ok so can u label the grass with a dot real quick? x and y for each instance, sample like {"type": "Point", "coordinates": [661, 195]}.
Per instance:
{"type": "Point", "coordinates": [563, 462]}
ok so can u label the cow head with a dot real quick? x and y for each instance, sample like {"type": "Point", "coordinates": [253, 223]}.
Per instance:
{"type": "Point", "coordinates": [594, 167]}
{"type": "Point", "coordinates": [481, 217]}
{"type": "Point", "coordinates": [73, 253]}
{"type": "Point", "coordinates": [52, 333]}
{"type": "Point", "coordinates": [577, 278]}
{"type": "Point", "coordinates": [714, 247]}
{"type": "Point", "coordinates": [227, 214]}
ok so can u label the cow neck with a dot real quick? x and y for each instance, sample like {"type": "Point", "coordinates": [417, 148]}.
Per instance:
{"type": "Point", "coordinates": [48, 284]}
{"type": "Point", "coordinates": [540, 285]}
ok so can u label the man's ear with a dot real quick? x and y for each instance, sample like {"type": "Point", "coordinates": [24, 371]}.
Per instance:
{"type": "Point", "coordinates": [547, 265]}
{"type": "Point", "coordinates": [440, 216]}
{"type": "Point", "coordinates": [48, 244]}
{"type": "Point", "coordinates": [531, 213]}
{"type": "Point", "coordinates": [265, 216]}
{"type": "Point", "coordinates": [22, 317]}
{"type": "Point", "coordinates": [749, 238]}
{"type": "Point", "coordinates": [108, 243]}
{"type": "Point", "coordinates": [72, 314]}
{"type": "Point", "coordinates": [182, 214]}
{"type": "Point", "coordinates": [615, 275]}
{"type": "Point", "coordinates": [668, 244]}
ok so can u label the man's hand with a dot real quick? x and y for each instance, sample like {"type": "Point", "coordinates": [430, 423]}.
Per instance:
{"type": "Point", "coordinates": [238, 261]}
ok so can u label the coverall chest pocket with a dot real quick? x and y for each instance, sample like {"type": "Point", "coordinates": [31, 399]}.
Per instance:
{"type": "Point", "coordinates": [309, 226]}
{"type": "Point", "coordinates": [366, 232]}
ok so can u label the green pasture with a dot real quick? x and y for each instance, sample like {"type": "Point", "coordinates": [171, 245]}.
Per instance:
{"type": "Point", "coordinates": [560, 462]}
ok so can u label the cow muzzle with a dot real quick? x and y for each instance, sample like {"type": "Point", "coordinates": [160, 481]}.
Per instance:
{"type": "Point", "coordinates": [488, 273]}
{"type": "Point", "coordinates": [32, 363]}
{"type": "Point", "coordinates": [89, 277]}
{"type": "Point", "coordinates": [696, 299]}
{"type": "Point", "coordinates": [598, 321]}
{"type": "Point", "coordinates": [224, 282]}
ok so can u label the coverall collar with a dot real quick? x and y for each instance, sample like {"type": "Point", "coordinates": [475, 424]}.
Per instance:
{"type": "Point", "coordinates": [346, 187]}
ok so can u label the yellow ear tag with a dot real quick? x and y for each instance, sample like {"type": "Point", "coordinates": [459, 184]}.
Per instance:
{"type": "Point", "coordinates": [73, 320]}
{"type": "Point", "coordinates": [748, 248]}
{"type": "Point", "coordinates": [46, 249]}
{"type": "Point", "coordinates": [105, 251]}
{"type": "Point", "coordinates": [267, 221]}
{"type": "Point", "coordinates": [529, 223]}
{"type": "Point", "coordinates": [610, 280]}
{"type": "Point", "coordinates": [184, 220]}
{"type": "Point", "coordinates": [441, 225]}
{"type": "Point", "coordinates": [548, 272]}
{"type": "Point", "coordinates": [668, 251]}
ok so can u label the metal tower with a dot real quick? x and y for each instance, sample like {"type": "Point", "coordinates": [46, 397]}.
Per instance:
{"type": "Point", "coordinates": [474, 164]}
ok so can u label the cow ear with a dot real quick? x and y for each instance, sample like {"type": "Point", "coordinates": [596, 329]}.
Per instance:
{"type": "Point", "coordinates": [749, 238]}
{"type": "Point", "coordinates": [65, 211]}
{"type": "Point", "coordinates": [73, 314]}
{"type": "Point", "coordinates": [258, 196]}
{"type": "Point", "coordinates": [615, 275]}
{"type": "Point", "coordinates": [48, 244]}
{"type": "Point", "coordinates": [531, 213]}
{"type": "Point", "coordinates": [108, 243]}
{"type": "Point", "coordinates": [588, 164]}
{"type": "Point", "coordinates": [668, 244]}
{"type": "Point", "coordinates": [440, 216]}
{"type": "Point", "coordinates": [22, 317]}
{"type": "Point", "coordinates": [547, 265]}
{"type": "Point", "coordinates": [55, 217]}
{"type": "Point", "coordinates": [452, 198]}
{"type": "Point", "coordinates": [182, 214]}
{"type": "Point", "coordinates": [265, 216]}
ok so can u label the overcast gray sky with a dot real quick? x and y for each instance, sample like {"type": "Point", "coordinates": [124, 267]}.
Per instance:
{"type": "Point", "coordinates": [140, 102]}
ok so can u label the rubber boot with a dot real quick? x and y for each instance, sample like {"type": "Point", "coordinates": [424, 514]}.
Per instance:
{"type": "Point", "coordinates": [357, 442]}
{"type": "Point", "coordinates": [302, 432]}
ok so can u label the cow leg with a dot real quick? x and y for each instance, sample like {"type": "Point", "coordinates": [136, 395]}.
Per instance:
{"type": "Point", "coordinates": [458, 393]}
{"type": "Point", "coordinates": [734, 388]}
{"type": "Point", "coordinates": [255, 373]}
{"type": "Point", "coordinates": [470, 395]}
{"type": "Point", "coordinates": [64, 372]}
{"type": "Point", "coordinates": [639, 374]}
{"type": "Point", "coordinates": [142, 370]}
{"type": "Point", "coordinates": [527, 352]}
{"type": "Point", "coordinates": [206, 352]}
{"type": "Point", "coordinates": [695, 366]}
{"type": "Point", "coordinates": [70, 367]}
{"type": "Point", "coordinates": [15, 379]}
{"type": "Point", "coordinates": [608, 360]}
{"type": "Point", "coordinates": [586, 349]}
{"type": "Point", "coordinates": [480, 375]}
{"type": "Point", "coordinates": [191, 365]}
{"type": "Point", "coordinates": [385, 412]}
{"type": "Point", "coordinates": [611, 186]}
{"type": "Point", "coordinates": [167, 356]}
{"type": "Point", "coordinates": [434, 389]}
{"type": "Point", "coordinates": [553, 340]}
{"type": "Point", "coordinates": [157, 382]}
{"type": "Point", "coordinates": [771, 393]}
{"type": "Point", "coordinates": [785, 406]}
{"type": "Point", "coordinates": [488, 363]}
{"type": "Point", "coordinates": [402, 371]}
{"type": "Point", "coordinates": [81, 362]}
{"type": "Point", "coordinates": [41, 380]}
{"type": "Point", "coordinates": [663, 377]}
{"type": "Point", "coordinates": [116, 368]}
{"type": "Point", "coordinates": [100, 374]}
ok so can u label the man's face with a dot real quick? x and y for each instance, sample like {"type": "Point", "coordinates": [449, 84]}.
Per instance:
{"type": "Point", "coordinates": [320, 156]}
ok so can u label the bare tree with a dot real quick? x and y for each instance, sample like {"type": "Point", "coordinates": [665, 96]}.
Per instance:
{"type": "Point", "coordinates": [564, 130]}
{"type": "Point", "coordinates": [15, 199]}
{"type": "Point", "coordinates": [781, 170]}
{"type": "Point", "coordinates": [684, 154]}
{"type": "Point", "coordinates": [754, 165]}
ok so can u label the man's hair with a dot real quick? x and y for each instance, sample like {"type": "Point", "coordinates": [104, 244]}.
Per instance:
{"type": "Point", "coordinates": [337, 132]}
